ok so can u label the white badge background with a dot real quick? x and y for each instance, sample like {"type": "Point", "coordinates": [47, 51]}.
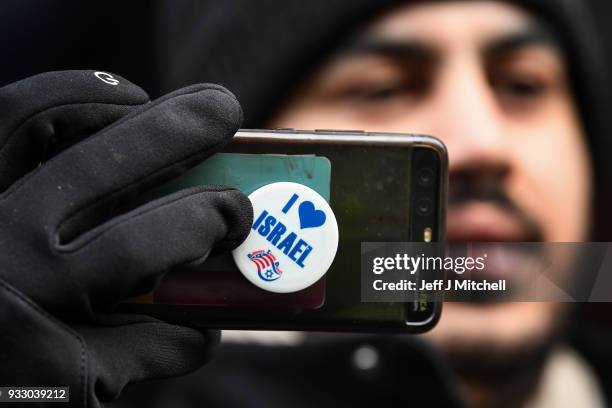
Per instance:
{"type": "Point", "coordinates": [324, 239]}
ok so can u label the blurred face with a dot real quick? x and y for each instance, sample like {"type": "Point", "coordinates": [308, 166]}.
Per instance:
{"type": "Point", "coordinates": [490, 82]}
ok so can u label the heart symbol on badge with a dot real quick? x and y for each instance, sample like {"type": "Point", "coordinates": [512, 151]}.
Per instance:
{"type": "Point", "coordinates": [309, 216]}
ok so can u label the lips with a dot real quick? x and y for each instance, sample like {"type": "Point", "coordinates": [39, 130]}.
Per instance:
{"type": "Point", "coordinates": [493, 225]}
{"type": "Point", "coordinates": [485, 222]}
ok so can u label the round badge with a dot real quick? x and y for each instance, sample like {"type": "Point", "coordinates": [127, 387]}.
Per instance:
{"type": "Point", "coordinates": [293, 240]}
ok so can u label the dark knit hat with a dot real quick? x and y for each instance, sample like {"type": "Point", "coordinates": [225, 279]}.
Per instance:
{"type": "Point", "coordinates": [262, 49]}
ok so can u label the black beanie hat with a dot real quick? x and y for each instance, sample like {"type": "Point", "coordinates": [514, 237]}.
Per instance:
{"type": "Point", "coordinates": [262, 49]}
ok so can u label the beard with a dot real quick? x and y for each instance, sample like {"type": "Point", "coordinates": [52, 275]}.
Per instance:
{"type": "Point", "coordinates": [496, 367]}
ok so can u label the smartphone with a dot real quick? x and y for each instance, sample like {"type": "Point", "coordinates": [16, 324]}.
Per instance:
{"type": "Point", "coordinates": [382, 187]}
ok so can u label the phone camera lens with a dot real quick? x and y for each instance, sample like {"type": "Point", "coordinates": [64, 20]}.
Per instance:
{"type": "Point", "coordinates": [426, 177]}
{"type": "Point", "coordinates": [424, 207]}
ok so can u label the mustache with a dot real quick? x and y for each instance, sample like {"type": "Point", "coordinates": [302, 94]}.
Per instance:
{"type": "Point", "coordinates": [469, 187]}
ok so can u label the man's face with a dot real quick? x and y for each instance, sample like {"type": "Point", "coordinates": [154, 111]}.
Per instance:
{"type": "Point", "coordinates": [488, 80]}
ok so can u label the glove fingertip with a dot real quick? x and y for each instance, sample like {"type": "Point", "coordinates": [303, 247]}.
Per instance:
{"type": "Point", "coordinates": [186, 350]}
{"type": "Point", "coordinates": [238, 212]}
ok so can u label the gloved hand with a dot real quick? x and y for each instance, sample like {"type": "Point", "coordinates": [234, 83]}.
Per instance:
{"type": "Point", "coordinates": [66, 256]}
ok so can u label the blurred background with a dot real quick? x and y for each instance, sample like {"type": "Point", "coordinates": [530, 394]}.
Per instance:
{"type": "Point", "coordinates": [121, 37]}
{"type": "Point", "coordinates": [37, 36]}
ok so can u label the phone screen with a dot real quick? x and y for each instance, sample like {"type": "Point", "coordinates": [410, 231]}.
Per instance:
{"type": "Point", "coordinates": [371, 189]}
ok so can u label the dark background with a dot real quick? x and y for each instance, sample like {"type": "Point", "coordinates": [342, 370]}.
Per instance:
{"type": "Point", "coordinates": [121, 37]}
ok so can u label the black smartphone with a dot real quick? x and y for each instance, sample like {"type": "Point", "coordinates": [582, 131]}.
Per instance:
{"type": "Point", "coordinates": [381, 187]}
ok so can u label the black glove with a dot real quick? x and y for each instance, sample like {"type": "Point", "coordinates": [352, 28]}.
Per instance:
{"type": "Point", "coordinates": [67, 255]}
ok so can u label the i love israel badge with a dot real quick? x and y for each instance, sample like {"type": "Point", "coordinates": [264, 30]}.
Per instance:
{"type": "Point", "coordinates": [293, 239]}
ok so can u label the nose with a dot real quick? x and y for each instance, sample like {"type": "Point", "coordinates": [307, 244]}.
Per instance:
{"type": "Point", "coordinates": [470, 122]}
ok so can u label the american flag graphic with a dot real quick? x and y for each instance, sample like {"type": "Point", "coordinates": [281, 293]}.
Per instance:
{"type": "Point", "coordinates": [267, 265]}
